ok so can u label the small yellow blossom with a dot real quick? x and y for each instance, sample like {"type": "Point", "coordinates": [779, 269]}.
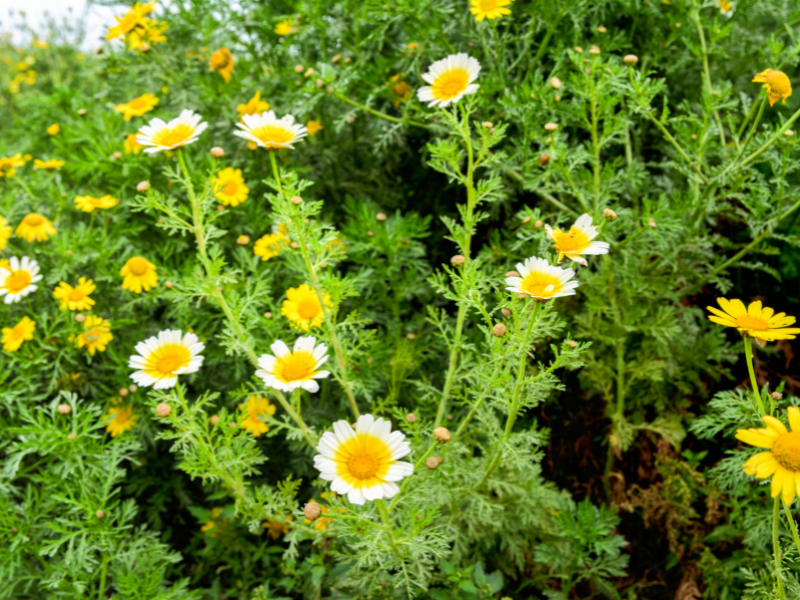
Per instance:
{"type": "Point", "coordinates": [399, 88]}
{"type": "Point", "coordinates": [132, 145]}
{"type": "Point", "coordinates": [217, 523]}
{"type": "Point", "coordinates": [90, 203]}
{"type": "Point", "coordinates": [137, 107]}
{"type": "Point", "coordinates": [131, 19]}
{"type": "Point", "coordinates": [14, 336]}
{"type": "Point", "coordinates": [96, 334]}
{"type": "Point", "coordinates": [122, 418]}
{"type": "Point", "coordinates": [8, 165]}
{"type": "Point", "coordinates": [314, 127]}
{"type": "Point", "coordinates": [303, 308]}
{"type": "Point", "coordinates": [275, 529]}
{"type": "Point", "coordinates": [53, 129]}
{"type": "Point", "coordinates": [269, 246]}
{"type": "Point", "coordinates": [489, 9]}
{"type": "Point", "coordinates": [222, 62]}
{"type": "Point", "coordinates": [254, 106]}
{"type": "Point", "coordinates": [321, 523]}
{"type": "Point", "coordinates": [253, 409]}
{"type": "Point", "coordinates": [285, 27]}
{"type": "Point", "coordinates": [757, 321]}
{"type": "Point", "coordinates": [776, 83]}
{"type": "Point", "coordinates": [147, 33]}
{"type": "Point", "coordinates": [229, 187]}
{"type": "Point", "coordinates": [35, 227]}
{"type": "Point", "coordinates": [140, 274]}
{"type": "Point", "coordinates": [75, 298]}
{"type": "Point", "coordinates": [5, 233]}
{"type": "Point", "coordinates": [48, 165]}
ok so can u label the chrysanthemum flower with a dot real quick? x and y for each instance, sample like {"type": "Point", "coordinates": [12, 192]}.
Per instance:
{"type": "Point", "coordinates": [254, 408]}
{"type": "Point", "coordinates": [131, 19]}
{"type": "Point", "coordinates": [54, 129]}
{"type": "Point", "coordinates": [75, 298]}
{"type": "Point", "coordinates": [5, 232]}
{"type": "Point", "coordinates": [578, 241]}
{"type": "Point", "coordinates": [8, 165]}
{"type": "Point", "coordinates": [364, 464]}
{"type": "Point", "coordinates": [140, 274]}
{"type": "Point", "coordinates": [269, 245]}
{"type": "Point", "coordinates": [217, 523]}
{"type": "Point", "coordinates": [254, 106]}
{"type": "Point", "coordinates": [782, 462]}
{"type": "Point", "coordinates": [35, 227]}
{"type": "Point", "coordinates": [162, 358]}
{"type": "Point", "coordinates": [285, 27]}
{"type": "Point", "coordinates": [756, 321]}
{"type": "Point", "coordinates": [229, 187]}
{"type": "Point", "coordinates": [96, 334]}
{"type": "Point", "coordinates": [131, 145]}
{"type": "Point", "coordinates": [14, 336]}
{"type": "Point", "coordinates": [776, 83]}
{"type": "Point", "coordinates": [321, 523]}
{"type": "Point", "coordinates": [222, 62]}
{"type": "Point", "coordinates": [399, 88]}
{"type": "Point", "coordinates": [288, 369]}
{"type": "Point", "coordinates": [275, 529]}
{"type": "Point", "coordinates": [48, 165]}
{"type": "Point", "coordinates": [18, 279]}
{"type": "Point", "coordinates": [122, 419]}
{"type": "Point", "coordinates": [450, 79]}
{"type": "Point", "coordinates": [541, 280]}
{"type": "Point", "coordinates": [726, 7]}
{"type": "Point", "coordinates": [90, 203]}
{"type": "Point", "coordinates": [269, 132]}
{"type": "Point", "coordinates": [489, 9]}
{"type": "Point", "coordinates": [180, 131]}
{"type": "Point", "coordinates": [303, 308]}
{"type": "Point", "coordinates": [313, 127]}
{"type": "Point", "coordinates": [137, 107]}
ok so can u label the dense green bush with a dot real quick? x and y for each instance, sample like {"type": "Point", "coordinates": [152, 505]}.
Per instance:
{"type": "Point", "coordinates": [590, 444]}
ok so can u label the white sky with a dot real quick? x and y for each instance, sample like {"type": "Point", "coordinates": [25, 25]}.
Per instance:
{"type": "Point", "coordinates": [97, 18]}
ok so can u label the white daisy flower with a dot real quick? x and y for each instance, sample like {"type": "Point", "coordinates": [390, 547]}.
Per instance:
{"type": "Point", "coordinates": [364, 464]}
{"type": "Point", "coordinates": [181, 131]}
{"type": "Point", "coordinates": [291, 369]}
{"type": "Point", "coordinates": [539, 279]}
{"type": "Point", "coordinates": [578, 241]}
{"type": "Point", "coordinates": [269, 132]}
{"type": "Point", "coordinates": [163, 357]}
{"type": "Point", "coordinates": [450, 79]}
{"type": "Point", "coordinates": [19, 279]}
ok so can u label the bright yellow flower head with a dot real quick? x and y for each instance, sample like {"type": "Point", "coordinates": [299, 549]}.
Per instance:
{"type": "Point", "coordinates": [314, 127]}
{"type": "Point", "coordinates": [254, 106]}
{"type": "Point", "coordinates": [180, 131]}
{"type": "Point", "coordinates": [253, 409]}
{"type": "Point", "coordinates": [18, 278]}
{"type": "Point", "coordinates": [122, 419]}
{"type": "Point", "coordinates": [132, 18]}
{"type": "Point", "coordinates": [303, 307]}
{"type": "Point", "coordinates": [270, 132]}
{"type": "Point", "coordinates": [269, 246]}
{"type": "Point", "coordinates": [229, 187]}
{"type": "Point", "coordinates": [450, 80]}
{"type": "Point", "coordinates": [8, 165]}
{"type": "Point", "coordinates": [89, 203]}
{"type": "Point", "coordinates": [276, 529]}
{"type": "Point", "coordinates": [96, 334]}
{"type": "Point", "coordinates": [489, 9]}
{"type": "Point", "coordinates": [5, 232]}
{"type": "Point", "coordinates": [222, 62]}
{"type": "Point", "coordinates": [147, 33]}
{"type": "Point", "coordinates": [14, 336]}
{"type": "Point", "coordinates": [540, 280]}
{"type": "Point", "coordinates": [399, 88]}
{"type": "Point", "coordinates": [137, 107]}
{"type": "Point", "coordinates": [776, 83]}
{"type": "Point", "coordinates": [54, 129]}
{"type": "Point", "coordinates": [35, 227]}
{"type": "Point", "coordinates": [756, 321]}
{"type": "Point", "coordinates": [131, 145]}
{"type": "Point", "coordinates": [48, 165]}
{"type": "Point", "coordinates": [140, 274]}
{"type": "Point", "coordinates": [782, 462]}
{"type": "Point", "coordinates": [578, 241]}
{"type": "Point", "coordinates": [162, 358]}
{"type": "Point", "coordinates": [287, 370]}
{"type": "Point", "coordinates": [75, 298]}
{"type": "Point", "coordinates": [285, 27]}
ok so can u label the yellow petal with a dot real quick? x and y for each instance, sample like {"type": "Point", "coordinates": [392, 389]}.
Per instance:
{"type": "Point", "coordinates": [794, 418]}
{"type": "Point", "coordinates": [726, 322]}
{"type": "Point", "coordinates": [775, 424]}
{"type": "Point", "coordinates": [754, 310]}
{"type": "Point", "coordinates": [777, 482]}
{"type": "Point", "coordinates": [767, 468]}
{"type": "Point", "coordinates": [755, 437]}
{"type": "Point", "coordinates": [789, 487]}
{"type": "Point", "coordinates": [766, 313]}
{"type": "Point", "coordinates": [734, 308]}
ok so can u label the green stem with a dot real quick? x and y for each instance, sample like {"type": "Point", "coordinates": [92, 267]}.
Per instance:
{"type": "Point", "coordinates": [377, 113]}
{"type": "Point", "coordinates": [776, 547]}
{"type": "Point", "coordinates": [384, 513]}
{"type": "Point", "coordinates": [748, 352]}
{"type": "Point", "coordinates": [430, 449]}
{"type": "Point", "coordinates": [755, 123]}
{"type": "Point", "coordinates": [695, 16]}
{"type": "Point", "coordinates": [548, 36]}
{"type": "Point", "coordinates": [792, 526]}
{"type": "Point", "coordinates": [749, 116]}
{"type": "Point", "coordinates": [678, 147]}
{"type": "Point", "coordinates": [101, 590]}
{"type": "Point", "coordinates": [770, 141]}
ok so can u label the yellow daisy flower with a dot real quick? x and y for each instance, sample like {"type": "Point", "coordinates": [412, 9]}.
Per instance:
{"type": "Point", "coordinates": [756, 321]}
{"type": "Point", "coordinates": [75, 298]}
{"type": "Point", "coordinates": [541, 280]}
{"type": "Point", "coordinates": [222, 62]}
{"type": "Point", "coordinates": [131, 145]}
{"type": "Point", "coordinates": [578, 241]}
{"type": "Point", "coordinates": [489, 9]}
{"type": "Point", "coordinates": [48, 165]}
{"type": "Point", "coordinates": [267, 131]}
{"type": "Point", "coordinates": [5, 232]}
{"type": "Point", "coordinates": [776, 83]}
{"type": "Point", "coordinates": [217, 523]}
{"type": "Point", "coordinates": [89, 203]}
{"type": "Point", "coordinates": [782, 462]}
{"type": "Point", "coordinates": [122, 419]}
{"type": "Point", "coordinates": [96, 334]}
{"type": "Point", "coordinates": [137, 107]}
{"type": "Point", "coordinates": [285, 27]}
{"type": "Point", "coordinates": [275, 529]}
{"type": "Point", "coordinates": [147, 31]}
{"type": "Point", "coordinates": [269, 246]}
{"type": "Point", "coordinates": [254, 106]}
{"type": "Point", "coordinates": [321, 523]}
{"type": "Point", "coordinates": [35, 227]}
{"type": "Point", "coordinates": [131, 19]}
{"type": "Point", "coordinates": [302, 307]}
{"type": "Point", "coordinates": [230, 188]}
{"type": "Point", "coordinates": [18, 278]}
{"type": "Point", "coordinates": [14, 336]}
{"type": "Point", "coordinates": [140, 274]}
{"type": "Point", "coordinates": [54, 129]}
{"type": "Point", "coordinates": [162, 358]}
{"type": "Point", "coordinates": [313, 127]}
{"type": "Point", "coordinates": [399, 88]}
{"type": "Point", "coordinates": [450, 80]}
{"type": "Point", "coordinates": [288, 369]}
{"type": "Point", "coordinates": [8, 165]}
{"type": "Point", "coordinates": [180, 131]}
{"type": "Point", "coordinates": [256, 407]}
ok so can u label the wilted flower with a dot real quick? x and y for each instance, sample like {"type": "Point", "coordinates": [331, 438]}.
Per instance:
{"type": "Point", "coordinates": [777, 85]}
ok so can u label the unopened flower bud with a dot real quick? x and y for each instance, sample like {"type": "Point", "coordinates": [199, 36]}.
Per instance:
{"type": "Point", "coordinates": [214, 420]}
{"type": "Point", "coordinates": [441, 434]}
{"type": "Point", "coordinates": [243, 240]}
{"type": "Point", "coordinates": [449, 416]}
{"type": "Point", "coordinates": [116, 156]}
{"type": "Point", "coordinates": [630, 59]}
{"type": "Point", "coordinates": [572, 343]}
{"type": "Point", "coordinates": [145, 47]}
{"type": "Point", "coordinates": [601, 29]}
{"type": "Point", "coordinates": [512, 274]}
{"type": "Point", "coordinates": [298, 68]}
{"type": "Point", "coordinates": [297, 200]}
{"type": "Point", "coordinates": [232, 425]}
{"type": "Point", "coordinates": [133, 388]}
{"type": "Point", "coordinates": [369, 360]}
{"type": "Point", "coordinates": [217, 152]}
{"type": "Point", "coordinates": [143, 186]}
{"type": "Point", "coordinates": [550, 127]}
{"type": "Point", "coordinates": [432, 462]}
{"type": "Point", "coordinates": [538, 224]}
{"type": "Point", "coordinates": [309, 72]}
{"type": "Point", "coordinates": [594, 50]}
{"type": "Point", "coordinates": [123, 392]}
{"type": "Point", "coordinates": [81, 111]}
{"type": "Point", "coordinates": [169, 285]}
{"type": "Point", "coordinates": [71, 436]}
{"type": "Point", "coordinates": [220, 207]}
{"type": "Point", "coordinates": [319, 83]}
{"type": "Point", "coordinates": [788, 133]}
{"type": "Point", "coordinates": [295, 245]}
{"type": "Point", "coordinates": [544, 159]}
{"type": "Point", "coordinates": [312, 511]}
{"type": "Point", "coordinates": [411, 336]}
{"type": "Point", "coordinates": [557, 98]}
{"type": "Point", "coordinates": [777, 396]}
{"type": "Point", "coordinates": [336, 58]}
{"type": "Point", "coordinates": [80, 318]}
{"type": "Point", "coordinates": [652, 223]}
{"type": "Point", "coordinates": [100, 514]}
{"type": "Point", "coordinates": [578, 49]}
{"type": "Point", "coordinates": [609, 215]}
{"type": "Point", "coordinates": [487, 124]}
{"type": "Point", "coordinates": [505, 311]}
{"type": "Point", "coordinates": [381, 216]}
{"type": "Point", "coordinates": [64, 409]}
{"type": "Point", "coordinates": [555, 83]}
{"type": "Point", "coordinates": [329, 89]}
{"type": "Point", "coordinates": [458, 259]}
{"type": "Point", "coordinates": [499, 330]}
{"type": "Point", "coordinates": [526, 220]}
{"type": "Point", "coordinates": [163, 410]}
{"type": "Point", "coordinates": [411, 418]}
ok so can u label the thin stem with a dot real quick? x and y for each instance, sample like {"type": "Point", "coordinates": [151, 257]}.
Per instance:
{"type": "Point", "coordinates": [678, 147]}
{"type": "Point", "coordinates": [101, 590]}
{"type": "Point", "coordinates": [792, 526]}
{"type": "Point", "coordinates": [428, 452]}
{"type": "Point", "coordinates": [695, 16]}
{"type": "Point", "coordinates": [748, 352]}
{"type": "Point", "coordinates": [755, 123]}
{"type": "Point", "coordinates": [384, 513]}
{"type": "Point", "coordinates": [776, 547]}
{"type": "Point", "coordinates": [377, 113]}
{"type": "Point", "coordinates": [749, 116]}
{"type": "Point", "coordinates": [770, 141]}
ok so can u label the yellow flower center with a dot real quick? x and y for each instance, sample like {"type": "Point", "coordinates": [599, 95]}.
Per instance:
{"type": "Point", "coordinates": [18, 281]}
{"type": "Point", "coordinates": [308, 308]}
{"type": "Point", "coordinates": [450, 84]}
{"type": "Point", "coordinates": [168, 359]}
{"type": "Point", "coordinates": [76, 295]}
{"type": "Point", "coordinates": [542, 285]}
{"type": "Point", "coordinates": [123, 416]}
{"type": "Point", "coordinates": [573, 242]}
{"type": "Point", "coordinates": [779, 83]}
{"type": "Point", "coordinates": [92, 336]}
{"type": "Point", "coordinates": [230, 189]}
{"type": "Point", "coordinates": [296, 366]}
{"type": "Point", "coordinates": [33, 220]}
{"type": "Point", "coordinates": [363, 466]}
{"type": "Point", "coordinates": [754, 323]}
{"type": "Point", "coordinates": [137, 103]}
{"type": "Point", "coordinates": [487, 5]}
{"type": "Point", "coordinates": [137, 266]}
{"type": "Point", "coordinates": [17, 332]}
{"type": "Point", "coordinates": [786, 450]}
{"type": "Point", "coordinates": [180, 134]}
{"type": "Point", "coordinates": [273, 134]}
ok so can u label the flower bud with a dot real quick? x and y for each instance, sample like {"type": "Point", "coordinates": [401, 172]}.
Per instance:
{"type": "Point", "coordinates": [217, 152]}
{"type": "Point", "coordinates": [116, 156]}
{"type": "Point", "coordinates": [133, 388]}
{"type": "Point", "coordinates": [441, 434]}
{"type": "Point", "coordinates": [336, 58]}
{"type": "Point", "coordinates": [143, 186]}
{"type": "Point", "coordinates": [652, 223]}
{"type": "Point", "coordinates": [594, 50]}
{"type": "Point", "coordinates": [630, 59]}
{"type": "Point", "coordinates": [432, 462]}
{"type": "Point", "coordinates": [609, 215]}
{"type": "Point", "coordinates": [458, 259]}
{"type": "Point", "coordinates": [309, 72]}
{"type": "Point", "coordinates": [100, 514]}
{"type": "Point", "coordinates": [81, 111]}
{"type": "Point", "coordinates": [381, 216]}
{"type": "Point", "coordinates": [601, 29]}
{"type": "Point", "coordinates": [505, 311]}
{"type": "Point", "coordinates": [243, 240]}
{"type": "Point", "coordinates": [298, 68]}
{"type": "Point", "coordinates": [64, 409]}
{"type": "Point", "coordinates": [214, 420]}
{"type": "Point", "coordinates": [123, 392]}
{"type": "Point", "coordinates": [329, 89]}
{"type": "Point", "coordinates": [369, 360]}
{"type": "Point", "coordinates": [296, 245]}
{"type": "Point", "coordinates": [538, 224]}
{"type": "Point", "coordinates": [499, 330]}
{"type": "Point", "coordinates": [550, 127]}
{"type": "Point", "coordinates": [297, 200]}
{"type": "Point", "coordinates": [71, 436]}
{"type": "Point", "coordinates": [169, 285]}
{"type": "Point", "coordinates": [145, 47]}
{"type": "Point", "coordinates": [411, 336]}
{"type": "Point", "coordinates": [526, 220]}
{"type": "Point", "coordinates": [788, 133]}
{"type": "Point", "coordinates": [555, 83]}
{"type": "Point", "coordinates": [411, 418]}
{"type": "Point", "coordinates": [572, 343]}
{"type": "Point", "coordinates": [512, 274]}
{"type": "Point", "coordinates": [80, 318]}
{"type": "Point", "coordinates": [544, 159]}
{"type": "Point", "coordinates": [312, 511]}
{"type": "Point", "coordinates": [777, 396]}
{"type": "Point", "coordinates": [163, 410]}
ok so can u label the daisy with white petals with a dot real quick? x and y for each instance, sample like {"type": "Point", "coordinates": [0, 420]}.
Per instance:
{"type": "Point", "coordinates": [18, 279]}
{"type": "Point", "coordinates": [180, 131]}
{"type": "Point", "coordinates": [364, 464]}
{"type": "Point", "coordinates": [163, 357]}
{"type": "Point", "coordinates": [541, 280]}
{"type": "Point", "coordinates": [579, 240]}
{"type": "Point", "coordinates": [291, 369]}
{"type": "Point", "coordinates": [270, 132]}
{"type": "Point", "coordinates": [450, 79]}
